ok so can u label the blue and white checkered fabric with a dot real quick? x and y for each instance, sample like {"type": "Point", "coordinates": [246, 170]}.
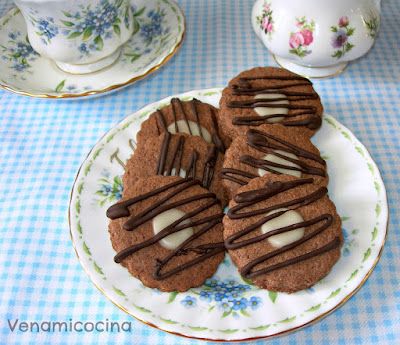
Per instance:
{"type": "Point", "coordinates": [44, 142]}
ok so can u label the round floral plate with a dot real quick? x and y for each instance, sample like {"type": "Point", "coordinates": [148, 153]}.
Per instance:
{"type": "Point", "coordinates": [159, 28]}
{"type": "Point", "coordinates": [228, 307]}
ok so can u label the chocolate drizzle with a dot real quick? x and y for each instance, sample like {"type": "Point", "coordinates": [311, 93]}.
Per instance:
{"type": "Point", "coordinates": [209, 162]}
{"type": "Point", "coordinates": [204, 251]}
{"type": "Point", "coordinates": [246, 269]}
{"type": "Point", "coordinates": [248, 199]}
{"type": "Point", "coordinates": [244, 81]}
{"type": "Point", "coordinates": [179, 112]}
{"type": "Point", "coordinates": [244, 88]}
{"type": "Point", "coordinates": [264, 142]}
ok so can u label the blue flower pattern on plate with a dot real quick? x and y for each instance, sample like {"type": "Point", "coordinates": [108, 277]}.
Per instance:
{"type": "Point", "coordinates": [349, 241]}
{"type": "Point", "coordinates": [110, 189]}
{"type": "Point", "coordinates": [255, 302]}
{"type": "Point", "coordinates": [228, 296]}
{"type": "Point", "coordinates": [189, 302]}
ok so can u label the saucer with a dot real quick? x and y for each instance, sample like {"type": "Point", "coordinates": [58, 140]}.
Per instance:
{"type": "Point", "coordinates": [25, 72]}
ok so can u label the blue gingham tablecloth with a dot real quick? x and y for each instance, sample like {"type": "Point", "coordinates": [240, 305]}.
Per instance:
{"type": "Point", "coordinates": [44, 142]}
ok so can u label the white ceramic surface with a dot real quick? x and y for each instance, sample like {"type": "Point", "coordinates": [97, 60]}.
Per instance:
{"type": "Point", "coordinates": [159, 31]}
{"type": "Point", "coordinates": [316, 34]}
{"type": "Point", "coordinates": [228, 307]}
{"type": "Point", "coordinates": [80, 36]}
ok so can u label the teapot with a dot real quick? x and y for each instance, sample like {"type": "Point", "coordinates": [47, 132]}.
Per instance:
{"type": "Point", "coordinates": [316, 38]}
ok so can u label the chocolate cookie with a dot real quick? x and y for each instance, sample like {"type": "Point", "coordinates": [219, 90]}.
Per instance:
{"type": "Point", "coordinates": [265, 95]}
{"type": "Point", "coordinates": [283, 233]}
{"type": "Point", "coordinates": [191, 117]}
{"type": "Point", "coordinates": [167, 232]}
{"type": "Point", "coordinates": [181, 155]}
{"type": "Point", "coordinates": [271, 149]}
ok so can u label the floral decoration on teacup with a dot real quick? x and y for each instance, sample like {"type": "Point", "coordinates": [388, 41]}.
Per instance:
{"type": "Point", "coordinates": [341, 34]}
{"type": "Point", "coordinates": [92, 25]}
{"type": "Point", "coordinates": [299, 41]}
{"type": "Point", "coordinates": [266, 21]}
{"type": "Point", "coordinates": [372, 25]}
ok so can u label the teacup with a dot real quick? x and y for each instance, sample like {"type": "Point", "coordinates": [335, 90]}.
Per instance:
{"type": "Point", "coordinates": [81, 36]}
{"type": "Point", "coordinates": [316, 38]}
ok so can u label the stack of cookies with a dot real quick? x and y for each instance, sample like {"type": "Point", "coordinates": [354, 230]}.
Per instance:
{"type": "Point", "coordinates": [255, 153]}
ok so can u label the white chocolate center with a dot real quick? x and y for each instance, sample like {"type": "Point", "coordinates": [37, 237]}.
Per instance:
{"type": "Point", "coordinates": [290, 217]}
{"type": "Point", "coordinates": [182, 172]}
{"type": "Point", "coordinates": [270, 157]}
{"type": "Point", "coordinates": [184, 128]}
{"type": "Point", "coordinates": [263, 111]}
{"type": "Point", "coordinates": [161, 221]}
